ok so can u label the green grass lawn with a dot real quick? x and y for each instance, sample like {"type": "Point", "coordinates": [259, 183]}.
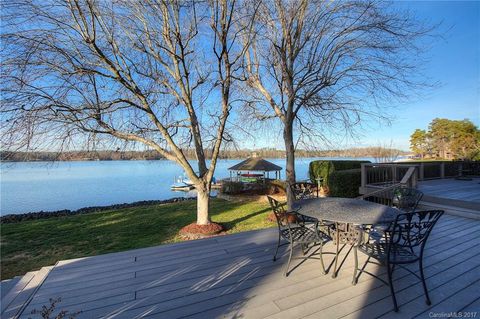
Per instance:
{"type": "Point", "coordinates": [29, 245]}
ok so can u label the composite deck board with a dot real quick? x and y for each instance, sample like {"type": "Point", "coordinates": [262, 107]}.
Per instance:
{"type": "Point", "coordinates": [234, 277]}
{"type": "Point", "coordinates": [147, 283]}
{"type": "Point", "coordinates": [452, 188]}
{"type": "Point", "coordinates": [446, 289]}
{"type": "Point", "coordinates": [473, 306]}
{"type": "Point", "coordinates": [364, 290]}
{"type": "Point", "coordinates": [458, 301]}
{"type": "Point", "coordinates": [378, 301]}
{"type": "Point", "coordinates": [285, 295]}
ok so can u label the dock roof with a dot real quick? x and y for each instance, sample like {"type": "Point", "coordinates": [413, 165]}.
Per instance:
{"type": "Point", "coordinates": [255, 164]}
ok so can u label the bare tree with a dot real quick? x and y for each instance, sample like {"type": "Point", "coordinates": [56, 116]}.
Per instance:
{"type": "Point", "coordinates": [318, 65]}
{"type": "Point", "coordinates": [155, 73]}
{"type": "Point", "coordinates": [385, 153]}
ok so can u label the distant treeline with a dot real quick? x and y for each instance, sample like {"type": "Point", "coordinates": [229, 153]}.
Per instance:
{"type": "Point", "coordinates": [153, 155]}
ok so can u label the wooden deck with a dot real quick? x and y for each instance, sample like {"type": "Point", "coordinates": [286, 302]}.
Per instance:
{"type": "Point", "coordinates": [452, 189]}
{"type": "Point", "coordinates": [460, 197]}
{"type": "Point", "coordinates": [234, 276]}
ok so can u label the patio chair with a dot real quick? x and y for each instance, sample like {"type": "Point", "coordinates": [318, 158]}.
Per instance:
{"type": "Point", "coordinates": [404, 245]}
{"type": "Point", "coordinates": [295, 228]}
{"type": "Point", "coordinates": [304, 190]}
{"type": "Point", "coordinates": [406, 199]}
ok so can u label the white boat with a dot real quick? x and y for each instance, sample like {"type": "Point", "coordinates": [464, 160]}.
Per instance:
{"type": "Point", "coordinates": [181, 187]}
{"type": "Point", "coordinates": [182, 183]}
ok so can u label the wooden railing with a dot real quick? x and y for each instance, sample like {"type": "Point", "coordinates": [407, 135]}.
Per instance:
{"type": "Point", "coordinates": [385, 175]}
{"type": "Point", "coordinates": [382, 196]}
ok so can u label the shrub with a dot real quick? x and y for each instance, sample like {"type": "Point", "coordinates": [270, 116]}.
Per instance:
{"type": "Point", "coordinates": [232, 188]}
{"type": "Point", "coordinates": [323, 169]}
{"type": "Point", "coordinates": [344, 183]}
{"type": "Point", "coordinates": [277, 186]}
{"type": "Point", "coordinates": [260, 188]}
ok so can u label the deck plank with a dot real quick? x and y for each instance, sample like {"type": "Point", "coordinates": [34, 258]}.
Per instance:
{"type": "Point", "coordinates": [234, 277]}
{"type": "Point", "coordinates": [464, 297]}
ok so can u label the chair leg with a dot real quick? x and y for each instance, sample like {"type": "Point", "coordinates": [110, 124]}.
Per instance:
{"type": "Point", "coordinates": [392, 290]}
{"type": "Point", "coordinates": [355, 255]}
{"type": "Point", "coordinates": [334, 275]}
{"type": "Point", "coordinates": [321, 259]}
{"type": "Point", "coordinates": [424, 284]}
{"type": "Point", "coordinates": [276, 251]}
{"type": "Point", "coordinates": [289, 260]}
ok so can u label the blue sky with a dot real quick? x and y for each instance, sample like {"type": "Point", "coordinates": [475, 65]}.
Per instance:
{"type": "Point", "coordinates": [454, 63]}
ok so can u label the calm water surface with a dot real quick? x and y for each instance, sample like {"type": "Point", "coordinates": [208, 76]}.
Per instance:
{"type": "Point", "coordinates": [35, 186]}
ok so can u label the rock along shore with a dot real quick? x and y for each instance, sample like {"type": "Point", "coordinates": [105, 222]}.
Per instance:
{"type": "Point", "coordinates": [14, 218]}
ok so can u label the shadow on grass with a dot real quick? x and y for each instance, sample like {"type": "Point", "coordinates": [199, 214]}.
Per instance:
{"type": "Point", "coordinates": [232, 224]}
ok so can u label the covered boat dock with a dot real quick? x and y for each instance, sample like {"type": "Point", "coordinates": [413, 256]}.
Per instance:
{"type": "Point", "coordinates": [253, 169]}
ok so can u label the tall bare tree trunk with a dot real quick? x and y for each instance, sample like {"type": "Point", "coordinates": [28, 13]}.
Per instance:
{"type": "Point", "coordinates": [203, 203]}
{"type": "Point", "coordinates": [290, 165]}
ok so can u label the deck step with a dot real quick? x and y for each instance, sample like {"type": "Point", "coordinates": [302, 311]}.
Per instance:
{"type": "Point", "coordinates": [454, 203]}
{"type": "Point", "coordinates": [7, 285]}
{"type": "Point", "coordinates": [20, 294]}
{"type": "Point", "coordinates": [452, 210]}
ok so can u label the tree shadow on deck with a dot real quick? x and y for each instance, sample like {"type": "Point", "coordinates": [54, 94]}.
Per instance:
{"type": "Point", "coordinates": [234, 277]}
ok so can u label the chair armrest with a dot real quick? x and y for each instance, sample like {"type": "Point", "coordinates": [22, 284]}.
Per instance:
{"type": "Point", "coordinates": [304, 219]}
{"type": "Point", "coordinates": [377, 232]}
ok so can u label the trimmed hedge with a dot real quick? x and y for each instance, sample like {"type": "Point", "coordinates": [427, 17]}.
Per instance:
{"type": "Point", "coordinates": [345, 183]}
{"type": "Point", "coordinates": [323, 169]}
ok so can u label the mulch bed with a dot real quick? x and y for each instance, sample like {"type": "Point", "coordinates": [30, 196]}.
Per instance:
{"type": "Point", "coordinates": [291, 218]}
{"type": "Point", "coordinates": [194, 231]}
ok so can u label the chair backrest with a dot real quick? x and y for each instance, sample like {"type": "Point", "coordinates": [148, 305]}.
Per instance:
{"type": "Point", "coordinates": [406, 199]}
{"type": "Point", "coordinates": [411, 230]}
{"type": "Point", "coordinates": [303, 190]}
{"type": "Point", "coordinates": [283, 218]}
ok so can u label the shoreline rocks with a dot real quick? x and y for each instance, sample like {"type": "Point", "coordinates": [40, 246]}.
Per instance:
{"type": "Point", "coordinates": [15, 218]}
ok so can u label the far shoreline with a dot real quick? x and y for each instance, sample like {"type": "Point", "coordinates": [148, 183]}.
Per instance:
{"type": "Point", "coordinates": [163, 159]}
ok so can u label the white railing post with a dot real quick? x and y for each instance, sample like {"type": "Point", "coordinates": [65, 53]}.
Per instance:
{"type": "Point", "coordinates": [364, 174]}
{"type": "Point", "coordinates": [421, 172]}
{"type": "Point", "coordinates": [414, 179]}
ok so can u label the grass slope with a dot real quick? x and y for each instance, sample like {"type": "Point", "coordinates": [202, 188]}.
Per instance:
{"type": "Point", "coordinates": [29, 245]}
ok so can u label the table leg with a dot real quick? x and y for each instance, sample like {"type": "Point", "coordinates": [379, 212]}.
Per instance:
{"type": "Point", "coordinates": [337, 239]}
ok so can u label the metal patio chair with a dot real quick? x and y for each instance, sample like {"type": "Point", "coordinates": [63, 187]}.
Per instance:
{"type": "Point", "coordinates": [404, 244]}
{"type": "Point", "coordinates": [304, 190]}
{"type": "Point", "coordinates": [406, 199]}
{"type": "Point", "coordinates": [296, 229]}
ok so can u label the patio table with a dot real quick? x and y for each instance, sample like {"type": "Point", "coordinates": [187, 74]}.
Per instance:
{"type": "Point", "coordinates": [347, 214]}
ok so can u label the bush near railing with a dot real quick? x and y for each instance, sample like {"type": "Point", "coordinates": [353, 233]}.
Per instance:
{"type": "Point", "coordinates": [323, 169]}
{"type": "Point", "coordinates": [345, 183]}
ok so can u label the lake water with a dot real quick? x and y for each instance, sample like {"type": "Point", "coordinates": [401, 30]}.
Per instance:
{"type": "Point", "coordinates": [35, 186]}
